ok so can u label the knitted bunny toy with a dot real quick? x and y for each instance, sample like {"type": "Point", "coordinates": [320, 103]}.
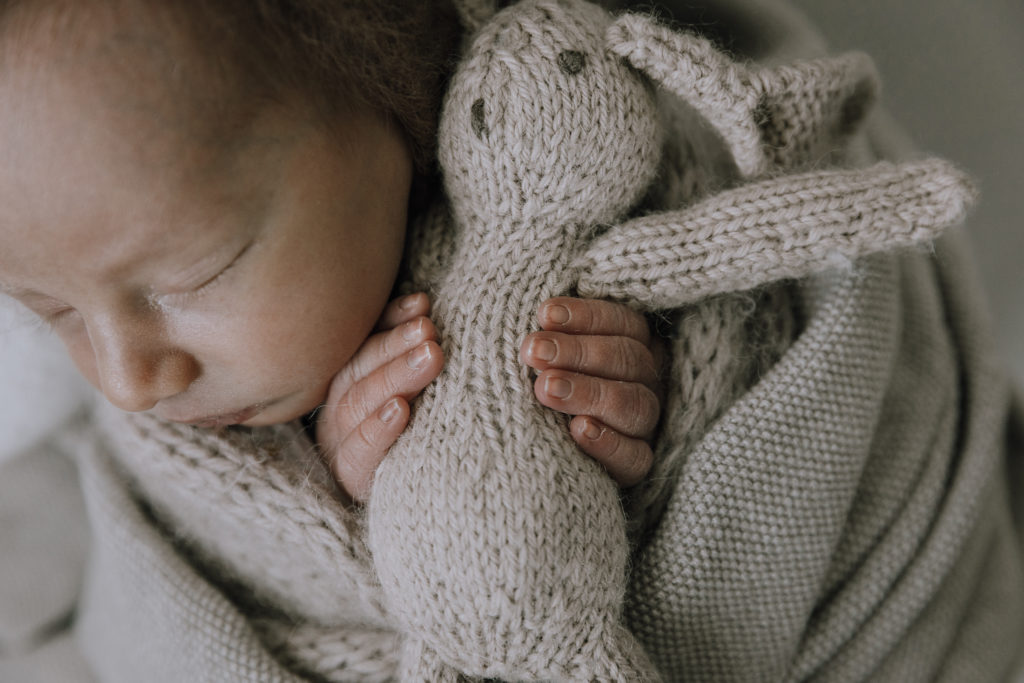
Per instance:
{"type": "Point", "coordinates": [502, 549]}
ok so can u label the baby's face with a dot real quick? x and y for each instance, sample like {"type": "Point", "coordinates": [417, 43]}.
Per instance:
{"type": "Point", "coordinates": [213, 274]}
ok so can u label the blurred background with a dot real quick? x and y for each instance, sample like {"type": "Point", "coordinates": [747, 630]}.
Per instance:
{"type": "Point", "coordinates": [953, 76]}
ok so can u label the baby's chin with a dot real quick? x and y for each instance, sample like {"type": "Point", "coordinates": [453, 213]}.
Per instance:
{"type": "Point", "coordinates": [259, 414]}
{"type": "Point", "coordinates": [283, 410]}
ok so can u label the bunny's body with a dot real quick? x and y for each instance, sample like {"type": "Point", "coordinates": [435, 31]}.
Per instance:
{"type": "Point", "coordinates": [540, 513]}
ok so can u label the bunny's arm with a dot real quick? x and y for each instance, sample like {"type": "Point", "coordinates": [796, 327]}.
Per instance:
{"type": "Point", "coordinates": [787, 227]}
{"type": "Point", "coordinates": [783, 116]}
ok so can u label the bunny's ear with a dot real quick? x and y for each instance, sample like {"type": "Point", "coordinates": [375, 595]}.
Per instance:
{"type": "Point", "coordinates": [781, 117]}
{"type": "Point", "coordinates": [475, 13]}
{"type": "Point", "coordinates": [695, 70]}
{"type": "Point", "coordinates": [786, 227]}
{"type": "Point", "coordinates": [808, 109]}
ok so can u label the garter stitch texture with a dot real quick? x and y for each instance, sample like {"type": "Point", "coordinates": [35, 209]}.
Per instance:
{"type": "Point", "coordinates": [828, 501]}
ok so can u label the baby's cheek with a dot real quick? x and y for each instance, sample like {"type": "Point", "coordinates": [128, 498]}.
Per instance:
{"type": "Point", "coordinates": [293, 350]}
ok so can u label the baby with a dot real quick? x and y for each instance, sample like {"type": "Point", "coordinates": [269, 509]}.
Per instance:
{"type": "Point", "coordinates": [213, 223]}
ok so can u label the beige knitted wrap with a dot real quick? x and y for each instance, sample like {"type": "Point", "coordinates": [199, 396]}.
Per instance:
{"type": "Point", "coordinates": [825, 505]}
{"type": "Point", "coordinates": [490, 531]}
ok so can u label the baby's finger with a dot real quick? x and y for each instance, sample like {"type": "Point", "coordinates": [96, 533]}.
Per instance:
{"type": "Point", "coordinates": [627, 460]}
{"type": "Point", "coordinates": [620, 358]}
{"type": "Point", "coordinates": [355, 460]}
{"type": "Point", "coordinates": [627, 407]}
{"type": "Point", "coordinates": [405, 376]}
{"type": "Point", "coordinates": [379, 350]}
{"type": "Point", "coordinates": [403, 309]}
{"type": "Point", "coordinates": [593, 316]}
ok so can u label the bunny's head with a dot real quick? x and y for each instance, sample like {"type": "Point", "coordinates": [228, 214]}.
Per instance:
{"type": "Point", "coordinates": [542, 121]}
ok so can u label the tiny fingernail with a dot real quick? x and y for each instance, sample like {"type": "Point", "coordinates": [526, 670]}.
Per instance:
{"type": "Point", "coordinates": [411, 330]}
{"type": "Point", "coordinates": [558, 387]}
{"type": "Point", "coordinates": [591, 430]}
{"type": "Point", "coordinates": [390, 411]}
{"type": "Point", "coordinates": [543, 349]}
{"type": "Point", "coordinates": [408, 302]}
{"type": "Point", "coordinates": [418, 356]}
{"type": "Point", "coordinates": [557, 313]}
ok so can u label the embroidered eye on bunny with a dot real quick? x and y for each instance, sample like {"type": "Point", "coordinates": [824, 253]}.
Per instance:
{"type": "Point", "coordinates": [501, 549]}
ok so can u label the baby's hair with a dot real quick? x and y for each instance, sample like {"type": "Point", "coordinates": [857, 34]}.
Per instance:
{"type": "Point", "coordinates": [392, 57]}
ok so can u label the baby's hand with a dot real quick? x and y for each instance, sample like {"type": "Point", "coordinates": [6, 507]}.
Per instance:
{"type": "Point", "coordinates": [367, 404]}
{"type": "Point", "coordinates": [597, 361]}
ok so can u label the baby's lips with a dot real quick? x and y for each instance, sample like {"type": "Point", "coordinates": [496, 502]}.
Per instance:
{"type": "Point", "coordinates": [224, 419]}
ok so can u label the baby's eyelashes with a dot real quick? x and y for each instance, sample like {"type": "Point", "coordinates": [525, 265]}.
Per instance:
{"type": "Point", "coordinates": [48, 311]}
{"type": "Point", "coordinates": [58, 317]}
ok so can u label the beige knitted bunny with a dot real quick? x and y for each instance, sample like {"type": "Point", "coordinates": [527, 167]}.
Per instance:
{"type": "Point", "coordinates": [502, 549]}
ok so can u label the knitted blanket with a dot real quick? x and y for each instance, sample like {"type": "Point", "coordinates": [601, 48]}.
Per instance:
{"type": "Point", "coordinates": [829, 501]}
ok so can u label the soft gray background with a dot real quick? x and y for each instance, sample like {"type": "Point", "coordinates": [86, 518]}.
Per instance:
{"type": "Point", "coordinates": [953, 75]}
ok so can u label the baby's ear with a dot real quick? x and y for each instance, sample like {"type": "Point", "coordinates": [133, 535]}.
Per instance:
{"type": "Point", "coordinates": [694, 69]}
{"type": "Point", "coordinates": [808, 109]}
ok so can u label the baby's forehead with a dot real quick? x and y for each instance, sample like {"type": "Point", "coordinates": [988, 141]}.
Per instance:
{"type": "Point", "coordinates": [135, 54]}
{"type": "Point", "coordinates": [126, 128]}
{"type": "Point", "coordinates": [155, 97]}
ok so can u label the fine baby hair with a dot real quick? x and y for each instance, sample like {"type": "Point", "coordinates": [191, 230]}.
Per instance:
{"type": "Point", "coordinates": [501, 550]}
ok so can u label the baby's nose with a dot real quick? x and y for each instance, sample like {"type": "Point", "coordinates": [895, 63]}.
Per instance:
{"type": "Point", "coordinates": [136, 371]}
{"type": "Point", "coordinates": [136, 386]}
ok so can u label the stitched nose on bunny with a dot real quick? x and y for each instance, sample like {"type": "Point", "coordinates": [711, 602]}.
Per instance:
{"type": "Point", "coordinates": [501, 547]}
